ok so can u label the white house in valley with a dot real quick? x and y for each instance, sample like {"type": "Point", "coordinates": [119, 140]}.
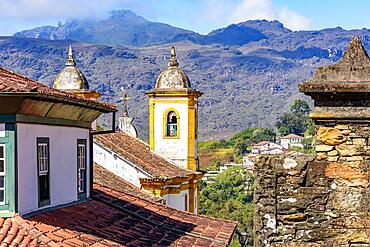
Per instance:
{"type": "Point", "coordinates": [291, 140]}
{"type": "Point", "coordinates": [266, 147]}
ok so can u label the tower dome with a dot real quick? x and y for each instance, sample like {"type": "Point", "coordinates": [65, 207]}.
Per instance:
{"type": "Point", "coordinates": [71, 78]}
{"type": "Point", "coordinates": [172, 77]}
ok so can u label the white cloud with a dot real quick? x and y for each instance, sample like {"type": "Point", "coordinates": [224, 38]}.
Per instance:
{"type": "Point", "coordinates": [230, 11]}
{"type": "Point", "coordinates": [41, 9]}
{"type": "Point", "coordinates": [265, 9]}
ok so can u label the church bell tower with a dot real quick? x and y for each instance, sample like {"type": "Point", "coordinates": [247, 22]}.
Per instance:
{"type": "Point", "coordinates": [173, 116]}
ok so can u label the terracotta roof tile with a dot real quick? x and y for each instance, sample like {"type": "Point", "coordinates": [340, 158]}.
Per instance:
{"type": "Point", "coordinates": [104, 177]}
{"type": "Point", "coordinates": [12, 233]}
{"type": "Point", "coordinates": [291, 136]}
{"type": "Point", "coordinates": [11, 82]}
{"type": "Point", "coordinates": [103, 221]}
{"type": "Point", "coordinates": [139, 153]}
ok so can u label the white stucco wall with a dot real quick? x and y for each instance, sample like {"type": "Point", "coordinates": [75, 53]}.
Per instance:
{"type": "Point", "coordinates": [117, 165]}
{"type": "Point", "coordinates": [177, 200]}
{"type": "Point", "coordinates": [174, 149]}
{"type": "Point", "coordinates": [63, 164]}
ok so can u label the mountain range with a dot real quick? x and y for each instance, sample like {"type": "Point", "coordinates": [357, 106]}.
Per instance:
{"type": "Point", "coordinates": [248, 71]}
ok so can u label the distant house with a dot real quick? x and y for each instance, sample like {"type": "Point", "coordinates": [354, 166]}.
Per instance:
{"type": "Point", "coordinates": [267, 147]}
{"type": "Point", "coordinates": [248, 162]}
{"type": "Point", "coordinates": [291, 140]}
{"type": "Point", "coordinates": [224, 167]}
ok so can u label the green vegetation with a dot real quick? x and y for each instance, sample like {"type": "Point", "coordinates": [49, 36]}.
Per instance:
{"type": "Point", "coordinates": [296, 121]}
{"type": "Point", "coordinates": [230, 197]}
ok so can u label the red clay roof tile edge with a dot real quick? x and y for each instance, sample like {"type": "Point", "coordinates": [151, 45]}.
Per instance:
{"type": "Point", "coordinates": [54, 92]}
{"type": "Point", "coordinates": [173, 209]}
{"type": "Point", "coordinates": [33, 232]}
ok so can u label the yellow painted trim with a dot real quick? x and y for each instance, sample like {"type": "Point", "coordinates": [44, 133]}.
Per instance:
{"type": "Point", "coordinates": [164, 123]}
{"type": "Point", "coordinates": [151, 123]}
{"type": "Point", "coordinates": [191, 162]}
{"type": "Point", "coordinates": [174, 94]}
{"type": "Point", "coordinates": [191, 198]}
{"type": "Point", "coordinates": [170, 101]}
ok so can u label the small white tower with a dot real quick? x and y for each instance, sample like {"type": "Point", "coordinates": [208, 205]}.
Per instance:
{"type": "Point", "coordinates": [125, 122]}
{"type": "Point", "coordinates": [173, 117]}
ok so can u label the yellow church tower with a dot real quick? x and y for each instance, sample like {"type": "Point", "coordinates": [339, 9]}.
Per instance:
{"type": "Point", "coordinates": [173, 116]}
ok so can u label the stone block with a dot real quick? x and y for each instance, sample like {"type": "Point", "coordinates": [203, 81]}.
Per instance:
{"type": "Point", "coordinates": [292, 218]}
{"type": "Point", "coordinates": [332, 153]}
{"type": "Point", "coordinates": [315, 171]}
{"type": "Point", "coordinates": [321, 156]}
{"type": "Point", "coordinates": [349, 150]}
{"type": "Point", "coordinates": [341, 126]}
{"type": "Point", "coordinates": [359, 141]}
{"type": "Point", "coordinates": [346, 174]}
{"type": "Point", "coordinates": [330, 136]}
{"type": "Point", "coordinates": [348, 200]}
{"type": "Point", "coordinates": [333, 158]}
{"type": "Point", "coordinates": [324, 148]}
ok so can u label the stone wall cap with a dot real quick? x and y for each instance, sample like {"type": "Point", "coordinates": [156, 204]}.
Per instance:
{"type": "Point", "coordinates": [350, 74]}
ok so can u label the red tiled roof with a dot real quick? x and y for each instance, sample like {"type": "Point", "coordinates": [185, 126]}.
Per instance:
{"type": "Point", "coordinates": [262, 143]}
{"type": "Point", "coordinates": [11, 82]}
{"type": "Point", "coordinates": [14, 233]}
{"type": "Point", "coordinates": [114, 218]}
{"type": "Point", "coordinates": [106, 178]}
{"type": "Point", "coordinates": [291, 136]}
{"type": "Point", "coordinates": [139, 153]}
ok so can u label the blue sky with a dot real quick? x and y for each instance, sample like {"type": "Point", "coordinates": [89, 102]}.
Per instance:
{"type": "Point", "coordinates": [198, 15]}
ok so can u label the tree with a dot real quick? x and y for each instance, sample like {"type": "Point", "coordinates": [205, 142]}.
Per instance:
{"type": "Point", "coordinates": [228, 197]}
{"type": "Point", "coordinates": [296, 121]}
{"type": "Point", "coordinates": [300, 106]}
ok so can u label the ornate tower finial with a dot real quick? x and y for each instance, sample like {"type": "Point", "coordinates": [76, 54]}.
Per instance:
{"type": "Point", "coordinates": [70, 60]}
{"type": "Point", "coordinates": [173, 61]}
{"type": "Point", "coordinates": [125, 99]}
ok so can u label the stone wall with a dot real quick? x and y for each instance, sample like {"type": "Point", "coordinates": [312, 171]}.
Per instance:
{"type": "Point", "coordinates": [316, 201]}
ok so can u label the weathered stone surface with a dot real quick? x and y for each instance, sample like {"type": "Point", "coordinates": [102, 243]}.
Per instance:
{"type": "Point", "coordinates": [325, 201]}
{"type": "Point", "coordinates": [321, 156]}
{"type": "Point", "coordinates": [323, 148]}
{"type": "Point", "coordinates": [330, 136]}
{"type": "Point", "coordinates": [347, 174]}
{"type": "Point", "coordinates": [333, 153]}
{"type": "Point", "coordinates": [333, 158]}
{"type": "Point", "coordinates": [349, 150]}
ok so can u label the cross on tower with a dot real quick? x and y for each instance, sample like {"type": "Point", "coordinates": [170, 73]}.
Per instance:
{"type": "Point", "coordinates": [125, 99]}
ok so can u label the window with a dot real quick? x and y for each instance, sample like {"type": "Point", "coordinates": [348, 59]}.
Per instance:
{"type": "Point", "coordinates": [171, 124]}
{"type": "Point", "coordinates": [81, 167]}
{"type": "Point", "coordinates": [2, 174]}
{"type": "Point", "coordinates": [43, 160]}
{"type": "Point", "coordinates": [186, 202]}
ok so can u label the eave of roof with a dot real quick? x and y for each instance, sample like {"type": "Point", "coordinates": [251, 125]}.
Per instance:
{"type": "Point", "coordinates": [138, 152]}
{"type": "Point", "coordinates": [13, 84]}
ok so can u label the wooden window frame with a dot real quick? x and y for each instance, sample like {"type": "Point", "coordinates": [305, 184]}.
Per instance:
{"type": "Point", "coordinates": [43, 140]}
{"type": "Point", "coordinates": [3, 174]}
{"type": "Point", "coordinates": [82, 194]}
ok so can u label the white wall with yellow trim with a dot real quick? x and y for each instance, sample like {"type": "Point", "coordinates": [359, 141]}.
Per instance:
{"type": "Point", "coordinates": [175, 149]}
